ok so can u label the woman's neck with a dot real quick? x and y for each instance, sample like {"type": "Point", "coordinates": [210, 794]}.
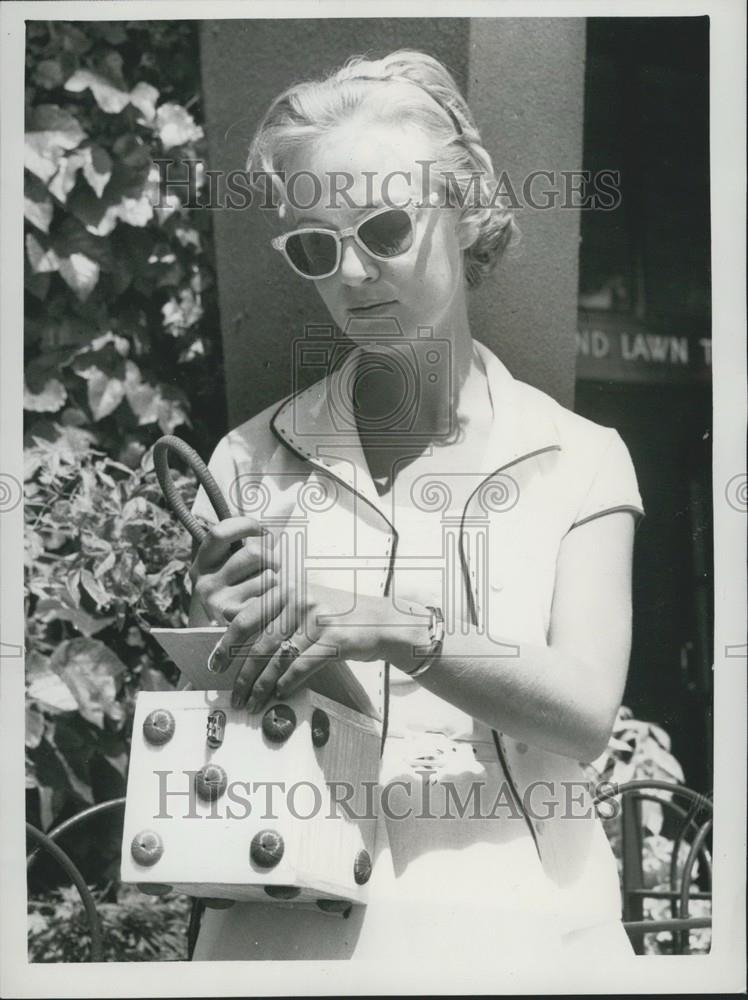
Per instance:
{"type": "Point", "coordinates": [447, 366]}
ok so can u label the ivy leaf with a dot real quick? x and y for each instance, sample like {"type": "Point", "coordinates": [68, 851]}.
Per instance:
{"type": "Point", "coordinates": [98, 169]}
{"type": "Point", "coordinates": [48, 74]}
{"type": "Point", "coordinates": [74, 40]}
{"type": "Point", "coordinates": [49, 400]}
{"type": "Point", "coordinates": [80, 273]}
{"type": "Point", "coordinates": [52, 132]}
{"type": "Point", "coordinates": [72, 587]}
{"type": "Point", "coordinates": [96, 165]}
{"type": "Point", "coordinates": [36, 665]}
{"type": "Point", "coordinates": [50, 609]}
{"type": "Point", "coordinates": [133, 152]}
{"type": "Point", "coordinates": [172, 410]}
{"type": "Point", "coordinates": [162, 403]}
{"type": "Point", "coordinates": [179, 316]}
{"type": "Point", "coordinates": [71, 237]}
{"type": "Point", "coordinates": [176, 126]}
{"type": "Point", "coordinates": [63, 181]}
{"type": "Point", "coordinates": [47, 366]}
{"type": "Point", "coordinates": [188, 237]}
{"type": "Point", "coordinates": [105, 393]}
{"type": "Point", "coordinates": [142, 397]}
{"type": "Point", "coordinates": [50, 773]}
{"type": "Point", "coordinates": [91, 671]}
{"type": "Point", "coordinates": [111, 66]}
{"type": "Point", "coordinates": [34, 726]}
{"type": "Point", "coordinates": [119, 762]}
{"type": "Point", "coordinates": [135, 211]}
{"type": "Point", "coordinates": [120, 344]}
{"type": "Point", "coordinates": [195, 350]}
{"type": "Point", "coordinates": [92, 586]}
{"type": "Point", "coordinates": [51, 691]}
{"type": "Point", "coordinates": [42, 260]}
{"type": "Point", "coordinates": [74, 752]}
{"type": "Point", "coordinates": [105, 565]}
{"type": "Point", "coordinates": [98, 217]}
{"type": "Point", "coordinates": [109, 97]}
{"type": "Point", "coordinates": [143, 97]}
{"type": "Point", "coordinates": [37, 205]}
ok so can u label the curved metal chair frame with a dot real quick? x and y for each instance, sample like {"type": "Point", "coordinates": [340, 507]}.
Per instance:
{"type": "Point", "coordinates": [696, 821]}
{"type": "Point", "coordinates": [48, 842]}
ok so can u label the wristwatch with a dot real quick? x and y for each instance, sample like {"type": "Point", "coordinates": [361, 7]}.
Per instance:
{"type": "Point", "coordinates": [436, 640]}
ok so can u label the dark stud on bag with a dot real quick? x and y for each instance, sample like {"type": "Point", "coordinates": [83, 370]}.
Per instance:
{"type": "Point", "coordinates": [146, 847]}
{"type": "Point", "coordinates": [210, 782]}
{"type": "Point", "coordinates": [362, 868]}
{"type": "Point", "coordinates": [278, 723]}
{"type": "Point", "coordinates": [282, 891]}
{"type": "Point", "coordinates": [158, 726]}
{"type": "Point", "coordinates": [266, 848]}
{"type": "Point", "coordinates": [335, 906]}
{"type": "Point", "coordinates": [320, 727]}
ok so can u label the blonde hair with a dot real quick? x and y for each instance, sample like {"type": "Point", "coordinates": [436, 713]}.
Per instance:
{"type": "Point", "coordinates": [306, 112]}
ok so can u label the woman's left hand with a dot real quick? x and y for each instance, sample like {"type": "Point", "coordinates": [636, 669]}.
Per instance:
{"type": "Point", "coordinates": [323, 623]}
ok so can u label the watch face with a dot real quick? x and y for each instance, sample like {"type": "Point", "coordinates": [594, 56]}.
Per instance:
{"type": "Point", "coordinates": [437, 625]}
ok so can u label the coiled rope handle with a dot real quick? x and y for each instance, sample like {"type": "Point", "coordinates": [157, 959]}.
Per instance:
{"type": "Point", "coordinates": [174, 498]}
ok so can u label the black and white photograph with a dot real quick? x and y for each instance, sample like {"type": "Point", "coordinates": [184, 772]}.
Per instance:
{"type": "Point", "coordinates": [373, 498]}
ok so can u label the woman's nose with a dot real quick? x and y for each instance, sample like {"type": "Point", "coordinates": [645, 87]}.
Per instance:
{"type": "Point", "coordinates": [356, 266]}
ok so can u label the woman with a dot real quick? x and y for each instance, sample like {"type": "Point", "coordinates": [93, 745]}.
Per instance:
{"type": "Point", "coordinates": [488, 614]}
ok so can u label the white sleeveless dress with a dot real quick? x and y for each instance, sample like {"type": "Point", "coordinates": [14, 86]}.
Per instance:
{"type": "Point", "coordinates": [459, 890]}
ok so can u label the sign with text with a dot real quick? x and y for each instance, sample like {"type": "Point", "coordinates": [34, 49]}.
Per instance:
{"type": "Point", "coordinates": [618, 348]}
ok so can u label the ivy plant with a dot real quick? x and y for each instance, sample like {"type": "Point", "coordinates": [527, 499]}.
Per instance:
{"type": "Point", "coordinates": [122, 345]}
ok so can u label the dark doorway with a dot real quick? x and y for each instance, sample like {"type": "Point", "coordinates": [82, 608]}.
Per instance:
{"type": "Point", "coordinates": [645, 290]}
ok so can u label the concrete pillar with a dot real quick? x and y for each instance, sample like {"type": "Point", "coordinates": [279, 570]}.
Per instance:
{"type": "Point", "coordinates": [526, 90]}
{"type": "Point", "coordinates": [524, 80]}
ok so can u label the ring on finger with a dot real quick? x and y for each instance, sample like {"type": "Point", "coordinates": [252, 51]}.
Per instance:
{"type": "Point", "coordinates": [289, 648]}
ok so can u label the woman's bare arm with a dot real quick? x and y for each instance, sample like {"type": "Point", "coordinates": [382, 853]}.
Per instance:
{"type": "Point", "coordinates": [563, 697]}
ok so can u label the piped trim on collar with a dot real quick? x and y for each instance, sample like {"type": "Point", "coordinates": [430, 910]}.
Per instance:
{"type": "Point", "coordinates": [523, 427]}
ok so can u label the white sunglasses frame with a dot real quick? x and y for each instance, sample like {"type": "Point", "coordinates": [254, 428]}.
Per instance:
{"type": "Point", "coordinates": [279, 242]}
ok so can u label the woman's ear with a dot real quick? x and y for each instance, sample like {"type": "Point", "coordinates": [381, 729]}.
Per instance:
{"type": "Point", "coordinates": [467, 229]}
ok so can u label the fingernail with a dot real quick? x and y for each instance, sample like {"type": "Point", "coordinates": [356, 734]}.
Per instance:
{"type": "Point", "coordinates": [251, 704]}
{"type": "Point", "coordinates": [216, 662]}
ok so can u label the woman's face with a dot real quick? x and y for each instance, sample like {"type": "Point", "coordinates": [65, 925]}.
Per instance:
{"type": "Point", "coordinates": [376, 165]}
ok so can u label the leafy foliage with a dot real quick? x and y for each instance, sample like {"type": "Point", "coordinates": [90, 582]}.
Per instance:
{"type": "Point", "coordinates": [121, 345]}
{"type": "Point", "coordinates": [105, 562]}
{"type": "Point", "coordinates": [120, 289]}
{"type": "Point", "coordinates": [136, 928]}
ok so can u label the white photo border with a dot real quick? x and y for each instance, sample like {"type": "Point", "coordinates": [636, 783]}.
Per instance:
{"type": "Point", "coordinates": [723, 970]}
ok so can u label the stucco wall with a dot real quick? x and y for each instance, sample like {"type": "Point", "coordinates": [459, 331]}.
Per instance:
{"type": "Point", "coordinates": [524, 79]}
{"type": "Point", "coordinates": [526, 90]}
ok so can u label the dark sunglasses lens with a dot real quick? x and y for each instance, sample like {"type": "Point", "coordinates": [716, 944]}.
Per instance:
{"type": "Point", "coordinates": [388, 234]}
{"type": "Point", "coordinates": [314, 254]}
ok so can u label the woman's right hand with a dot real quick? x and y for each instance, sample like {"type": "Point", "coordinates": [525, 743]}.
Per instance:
{"type": "Point", "coordinates": [225, 581]}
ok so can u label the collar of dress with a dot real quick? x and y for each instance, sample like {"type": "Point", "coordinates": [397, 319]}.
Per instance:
{"type": "Point", "coordinates": [311, 423]}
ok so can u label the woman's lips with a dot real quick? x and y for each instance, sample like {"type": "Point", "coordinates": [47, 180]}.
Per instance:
{"type": "Point", "coordinates": [372, 306]}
